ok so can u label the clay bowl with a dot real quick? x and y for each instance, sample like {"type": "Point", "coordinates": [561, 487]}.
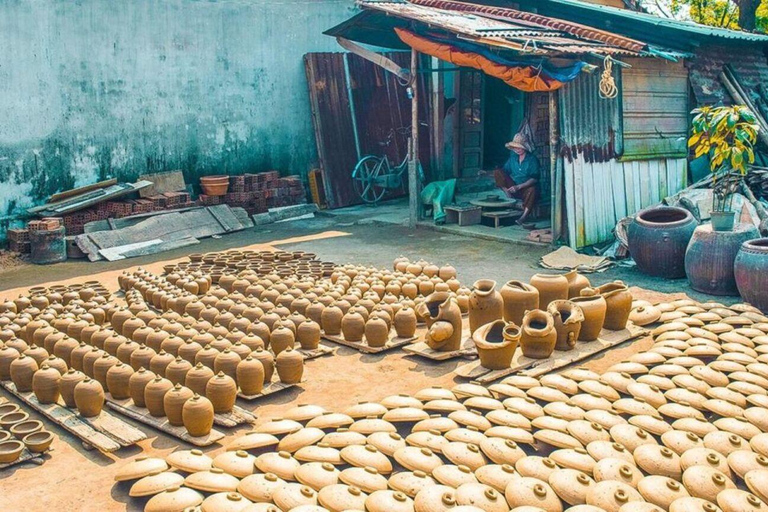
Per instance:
{"type": "Point", "coordinates": [12, 418]}
{"type": "Point", "coordinates": [24, 428]}
{"type": "Point", "coordinates": [7, 408]}
{"type": "Point", "coordinates": [10, 451]}
{"type": "Point", "coordinates": [38, 442]}
{"type": "Point", "coordinates": [5, 435]}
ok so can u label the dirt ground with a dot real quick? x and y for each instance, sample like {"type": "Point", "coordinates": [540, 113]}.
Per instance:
{"type": "Point", "coordinates": [73, 479]}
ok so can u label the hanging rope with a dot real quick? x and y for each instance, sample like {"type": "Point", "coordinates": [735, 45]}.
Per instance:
{"type": "Point", "coordinates": [608, 89]}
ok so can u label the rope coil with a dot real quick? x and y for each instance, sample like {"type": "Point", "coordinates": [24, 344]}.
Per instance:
{"type": "Point", "coordinates": [608, 89]}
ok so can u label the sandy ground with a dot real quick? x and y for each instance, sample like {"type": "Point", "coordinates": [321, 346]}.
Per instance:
{"type": "Point", "coordinates": [74, 479]}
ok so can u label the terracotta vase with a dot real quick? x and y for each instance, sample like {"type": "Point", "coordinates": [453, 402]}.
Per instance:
{"type": "Point", "coordinates": [45, 385]}
{"type": "Point", "coordinates": [221, 390]}
{"type": "Point", "coordinates": [137, 384]}
{"type": "Point", "coordinates": [197, 378]}
{"type": "Point", "coordinates": [308, 334]}
{"type": "Point", "coordinates": [568, 318]}
{"type": "Point", "coordinates": [197, 416]}
{"type": "Point", "coordinates": [154, 393]}
{"type": "Point", "coordinates": [405, 322]}
{"type": "Point", "coordinates": [142, 357]}
{"type": "Point", "coordinates": [176, 372]}
{"type": "Point", "coordinates": [281, 338]}
{"type": "Point", "coordinates": [353, 326]}
{"type": "Point", "coordinates": [101, 366]}
{"type": "Point", "coordinates": [518, 298]}
{"type": "Point", "coordinates": [160, 362]}
{"type": "Point", "coordinates": [576, 283]}
{"type": "Point", "coordinates": [496, 343]}
{"type": "Point", "coordinates": [267, 361]}
{"type": "Point", "coordinates": [485, 304]}
{"type": "Point", "coordinates": [593, 307]}
{"type": "Point", "coordinates": [444, 323]}
{"type": "Point", "coordinates": [538, 335]}
{"type": "Point", "coordinates": [290, 366]}
{"type": "Point", "coordinates": [118, 381]}
{"type": "Point", "coordinates": [551, 287]}
{"type": "Point", "coordinates": [173, 403]}
{"type": "Point", "coordinates": [67, 386]}
{"type": "Point", "coordinates": [618, 300]}
{"type": "Point", "coordinates": [376, 332]}
{"type": "Point", "coordinates": [22, 370]}
{"type": "Point", "coordinates": [250, 376]}
{"type": "Point", "coordinates": [89, 397]}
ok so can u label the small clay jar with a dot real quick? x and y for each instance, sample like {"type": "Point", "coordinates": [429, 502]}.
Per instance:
{"type": "Point", "coordinates": [227, 362]}
{"type": "Point", "coordinates": [137, 384]}
{"type": "Point", "coordinates": [67, 386]}
{"type": "Point", "coordinates": [538, 336]}
{"type": "Point", "coordinates": [518, 297]}
{"type": "Point", "coordinates": [89, 397]}
{"type": "Point", "coordinates": [142, 357]}
{"type": "Point", "coordinates": [576, 283]}
{"type": "Point", "coordinates": [496, 343]}
{"type": "Point", "coordinates": [101, 366]}
{"type": "Point", "coordinates": [267, 361]}
{"type": "Point", "coordinates": [154, 393]}
{"type": "Point", "coordinates": [45, 384]}
{"type": "Point", "coordinates": [485, 304]}
{"type": "Point", "coordinates": [176, 372]}
{"type": "Point", "coordinates": [618, 301]}
{"type": "Point", "coordinates": [376, 332]}
{"type": "Point", "coordinates": [221, 390]}
{"type": "Point", "coordinates": [197, 416]}
{"type": "Point", "coordinates": [290, 366]}
{"type": "Point", "coordinates": [250, 376]}
{"type": "Point", "coordinates": [308, 334]}
{"type": "Point", "coordinates": [568, 318]}
{"type": "Point", "coordinates": [173, 403]}
{"type": "Point", "coordinates": [118, 381]}
{"type": "Point", "coordinates": [281, 338]}
{"type": "Point", "coordinates": [593, 307]}
{"type": "Point", "coordinates": [551, 287]}
{"type": "Point", "coordinates": [353, 326]}
{"type": "Point", "coordinates": [22, 370]}
{"type": "Point", "coordinates": [405, 322]}
{"type": "Point", "coordinates": [197, 378]}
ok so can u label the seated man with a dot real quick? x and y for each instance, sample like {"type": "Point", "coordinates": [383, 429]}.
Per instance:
{"type": "Point", "coordinates": [519, 177]}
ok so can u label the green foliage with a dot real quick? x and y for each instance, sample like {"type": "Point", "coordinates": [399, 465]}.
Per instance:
{"type": "Point", "coordinates": [727, 134]}
{"type": "Point", "coordinates": [717, 13]}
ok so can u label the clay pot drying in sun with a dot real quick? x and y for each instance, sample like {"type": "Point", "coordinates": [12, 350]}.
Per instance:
{"type": "Point", "coordinates": [290, 366]}
{"type": "Point", "coordinates": [568, 318]}
{"type": "Point", "coordinates": [353, 326]}
{"type": "Point", "coordinates": [618, 299]}
{"type": "Point", "coordinates": [308, 334]}
{"type": "Point", "coordinates": [405, 322]}
{"type": "Point", "coordinates": [221, 390]}
{"type": "Point", "coordinates": [67, 386]}
{"type": "Point", "coordinates": [197, 378]}
{"type": "Point", "coordinates": [593, 307]}
{"type": "Point", "coordinates": [118, 381]}
{"type": "Point", "coordinates": [22, 369]}
{"type": "Point", "coordinates": [538, 337]}
{"type": "Point", "coordinates": [551, 287]}
{"type": "Point", "coordinates": [267, 361]}
{"type": "Point", "coordinates": [173, 403]}
{"type": "Point", "coordinates": [576, 283]}
{"type": "Point", "coordinates": [45, 384]}
{"type": "Point", "coordinates": [250, 376]}
{"type": "Point", "coordinates": [281, 338]}
{"type": "Point", "coordinates": [89, 397]}
{"type": "Point", "coordinates": [154, 393]}
{"type": "Point", "coordinates": [376, 332]}
{"type": "Point", "coordinates": [485, 304]}
{"type": "Point", "coordinates": [443, 318]}
{"type": "Point", "coordinates": [496, 343]}
{"type": "Point", "coordinates": [518, 297]}
{"type": "Point", "coordinates": [137, 383]}
{"type": "Point", "coordinates": [197, 416]}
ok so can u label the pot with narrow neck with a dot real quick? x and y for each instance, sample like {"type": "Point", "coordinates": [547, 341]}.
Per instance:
{"type": "Point", "coordinates": [538, 336]}
{"type": "Point", "coordinates": [485, 304]}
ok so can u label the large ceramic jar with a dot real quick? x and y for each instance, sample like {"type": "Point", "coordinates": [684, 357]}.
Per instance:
{"type": "Point", "coordinates": [353, 326]}
{"type": "Point", "coordinates": [308, 334]}
{"type": "Point", "coordinates": [568, 318]}
{"type": "Point", "coordinates": [250, 376]}
{"type": "Point", "coordinates": [618, 301]}
{"type": "Point", "coordinates": [290, 366]}
{"type": "Point", "coordinates": [658, 238]}
{"type": "Point", "coordinates": [518, 298]}
{"type": "Point", "coordinates": [551, 287]}
{"type": "Point", "coordinates": [267, 361]}
{"type": "Point", "coordinates": [221, 390]}
{"type": "Point", "coordinates": [7, 356]}
{"type": "Point", "coordinates": [45, 384]}
{"type": "Point", "coordinates": [376, 332]}
{"type": "Point", "coordinates": [89, 397]}
{"type": "Point", "coordinates": [197, 416]}
{"type": "Point", "coordinates": [281, 338]}
{"type": "Point", "coordinates": [485, 304]}
{"type": "Point", "coordinates": [496, 343]}
{"type": "Point", "coordinates": [22, 369]}
{"type": "Point", "coordinates": [710, 256]}
{"type": "Point", "coordinates": [67, 386]}
{"type": "Point", "coordinates": [118, 381]}
{"type": "Point", "coordinates": [538, 337]}
{"type": "Point", "coordinates": [751, 272]}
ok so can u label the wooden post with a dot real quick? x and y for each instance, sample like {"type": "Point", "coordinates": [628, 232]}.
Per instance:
{"type": "Point", "coordinates": [438, 111]}
{"type": "Point", "coordinates": [556, 208]}
{"type": "Point", "coordinates": [413, 173]}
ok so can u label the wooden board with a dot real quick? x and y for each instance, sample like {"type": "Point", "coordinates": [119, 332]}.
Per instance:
{"type": "Point", "coordinates": [142, 415]}
{"type": "Point", "coordinates": [68, 420]}
{"type": "Point", "coordinates": [362, 346]}
{"type": "Point", "coordinates": [269, 389]}
{"type": "Point", "coordinates": [171, 181]}
{"type": "Point", "coordinates": [26, 456]}
{"type": "Point", "coordinates": [55, 198]}
{"type": "Point", "coordinates": [320, 351]}
{"type": "Point", "coordinates": [536, 367]}
{"type": "Point", "coordinates": [467, 350]}
{"type": "Point", "coordinates": [238, 416]}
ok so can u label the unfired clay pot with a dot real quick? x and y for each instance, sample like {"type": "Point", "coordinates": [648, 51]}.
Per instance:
{"type": "Point", "coordinates": [221, 390]}
{"type": "Point", "coordinates": [89, 397]}
{"type": "Point", "coordinates": [154, 393]}
{"type": "Point", "coordinates": [174, 401]}
{"type": "Point", "coordinates": [576, 283]}
{"type": "Point", "coordinates": [250, 376]}
{"type": "Point", "coordinates": [22, 369]}
{"type": "Point", "coordinates": [197, 416]}
{"type": "Point", "coordinates": [551, 287]}
{"type": "Point", "coordinates": [281, 338]}
{"type": "Point", "coordinates": [618, 299]}
{"type": "Point", "coordinates": [67, 386]}
{"type": "Point", "coordinates": [593, 307]}
{"type": "Point", "coordinates": [136, 385]}
{"type": "Point", "coordinates": [290, 366]}
{"type": "Point", "coordinates": [308, 334]}
{"type": "Point", "coordinates": [376, 332]}
{"type": "Point", "coordinates": [353, 326]}
{"type": "Point", "coordinates": [444, 322]}
{"type": "Point", "coordinates": [496, 343]}
{"type": "Point", "coordinates": [485, 304]}
{"type": "Point", "coordinates": [568, 318]}
{"type": "Point", "coordinates": [538, 337]}
{"type": "Point", "coordinates": [331, 320]}
{"type": "Point", "coordinates": [518, 298]}
{"type": "Point", "coordinates": [45, 384]}
{"type": "Point", "coordinates": [405, 322]}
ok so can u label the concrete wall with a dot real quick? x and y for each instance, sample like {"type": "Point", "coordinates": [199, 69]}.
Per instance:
{"type": "Point", "coordinates": [97, 88]}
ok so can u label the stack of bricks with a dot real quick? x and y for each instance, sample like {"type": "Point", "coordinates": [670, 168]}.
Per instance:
{"type": "Point", "coordinates": [18, 240]}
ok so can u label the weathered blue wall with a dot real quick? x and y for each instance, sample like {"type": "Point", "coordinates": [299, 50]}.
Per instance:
{"type": "Point", "coordinates": [96, 88]}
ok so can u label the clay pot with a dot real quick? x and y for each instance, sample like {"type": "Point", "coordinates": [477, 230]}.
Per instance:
{"type": "Point", "coordinates": [618, 300]}
{"type": "Point", "coordinates": [593, 307]}
{"type": "Point", "coordinates": [142, 357]}
{"type": "Point", "coordinates": [154, 393]}
{"type": "Point", "coordinates": [67, 386]}
{"type": "Point", "coordinates": [376, 332]}
{"type": "Point", "coordinates": [22, 370]}
{"type": "Point", "coordinates": [221, 390]}
{"type": "Point", "coordinates": [250, 376]}
{"type": "Point", "coordinates": [7, 356]}
{"type": "Point", "coordinates": [443, 318]}
{"type": "Point", "coordinates": [10, 451]}
{"type": "Point", "coordinates": [308, 334]}
{"type": "Point", "coordinates": [101, 366]}
{"type": "Point", "coordinates": [118, 381]}
{"type": "Point", "coordinates": [197, 378]}
{"type": "Point", "coordinates": [576, 283]}
{"type": "Point", "coordinates": [551, 287]}
{"type": "Point", "coordinates": [89, 397]}
{"type": "Point", "coordinates": [518, 297]}
{"type": "Point", "coordinates": [281, 338]}
{"type": "Point", "coordinates": [750, 268]}
{"type": "Point", "coordinates": [137, 384]}
{"type": "Point", "coordinates": [405, 322]}
{"type": "Point", "coordinates": [197, 416]}
{"type": "Point", "coordinates": [267, 360]}
{"type": "Point", "coordinates": [658, 238]}
{"type": "Point", "coordinates": [496, 343]}
{"type": "Point", "coordinates": [173, 403]}
{"type": "Point", "coordinates": [568, 318]}
{"type": "Point", "coordinates": [485, 304]}
{"type": "Point", "coordinates": [353, 326]}
{"type": "Point", "coordinates": [290, 366]}
{"type": "Point", "coordinates": [538, 336]}
{"type": "Point", "coordinates": [45, 384]}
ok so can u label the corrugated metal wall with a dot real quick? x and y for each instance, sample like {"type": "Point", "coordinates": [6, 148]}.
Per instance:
{"type": "Point", "coordinates": [599, 194]}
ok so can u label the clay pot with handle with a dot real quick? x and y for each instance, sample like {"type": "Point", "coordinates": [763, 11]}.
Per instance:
{"type": "Point", "coordinates": [496, 343]}
{"type": "Point", "coordinates": [485, 304]}
{"type": "Point", "coordinates": [538, 337]}
{"type": "Point", "coordinates": [518, 297]}
{"type": "Point", "coordinates": [618, 301]}
{"type": "Point", "coordinates": [568, 318]}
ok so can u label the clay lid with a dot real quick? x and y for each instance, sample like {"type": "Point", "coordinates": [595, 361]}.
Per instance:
{"type": "Point", "coordinates": [428, 439]}
{"type": "Point", "coordinates": [497, 476]}
{"type": "Point", "coordinates": [368, 455]}
{"type": "Point", "coordinates": [438, 423]}
{"type": "Point", "coordinates": [571, 485]}
{"type": "Point", "coordinates": [574, 458]}
{"type": "Point", "coordinates": [252, 441]}
{"type": "Point", "coordinates": [648, 358]}
{"type": "Point", "coordinates": [527, 491]}
{"type": "Point", "coordinates": [225, 502]}
{"type": "Point", "coordinates": [506, 418]}
{"type": "Point", "coordinates": [602, 389]}
{"type": "Point", "coordinates": [587, 431]}
{"type": "Point", "coordinates": [535, 466]}
{"type": "Point", "coordinates": [467, 390]}
{"type": "Point", "coordinates": [630, 437]}
{"type": "Point", "coordinates": [516, 434]}
{"type": "Point", "coordinates": [650, 424]}
{"type": "Point", "coordinates": [605, 419]}
{"type": "Point", "coordinates": [259, 487]}
{"type": "Point", "coordinates": [706, 482]}
{"type": "Point", "coordinates": [725, 442]}
{"type": "Point", "coordinates": [405, 414]}
{"type": "Point", "coordinates": [735, 500]}
{"type": "Point", "coordinates": [698, 426]}
{"type": "Point", "coordinates": [754, 397]}
{"type": "Point", "coordinates": [644, 315]}
{"type": "Point", "coordinates": [607, 449]}
{"type": "Point", "coordinates": [330, 420]}
{"type": "Point", "coordinates": [342, 497]}
{"type": "Point", "coordinates": [279, 426]}
{"type": "Point", "coordinates": [365, 410]}
{"type": "Point", "coordinates": [525, 406]}
{"type": "Point", "coordinates": [729, 395]}
{"type": "Point", "coordinates": [343, 437]}
{"type": "Point", "coordinates": [289, 496]}
{"type": "Point", "coordinates": [738, 425]}
{"type": "Point", "coordinates": [465, 454]}
{"type": "Point", "coordinates": [369, 426]}
{"type": "Point", "coordinates": [522, 382]}
{"type": "Point", "coordinates": [502, 451]}
{"type": "Point", "coordinates": [547, 394]}
{"type": "Point", "coordinates": [434, 393]}
{"type": "Point", "coordinates": [443, 405]}
{"type": "Point", "coordinates": [618, 470]}
{"type": "Point", "coordinates": [635, 406]}
{"type": "Point", "coordinates": [668, 327]}
{"type": "Point", "coordinates": [648, 392]}
{"type": "Point", "coordinates": [710, 375]}
{"type": "Point", "coordinates": [386, 442]}
{"type": "Point", "coordinates": [304, 412]}
{"type": "Point", "coordinates": [279, 463]}
{"type": "Point", "coordinates": [612, 495]}
{"type": "Point", "coordinates": [320, 452]}
{"type": "Point", "coordinates": [139, 468]}
{"type": "Point", "coordinates": [691, 504]}
{"type": "Point", "coordinates": [454, 475]}
{"type": "Point", "coordinates": [502, 391]}
{"type": "Point", "coordinates": [388, 501]}
{"type": "Point", "coordinates": [759, 443]}
{"type": "Point", "coordinates": [213, 480]}
{"type": "Point", "coordinates": [679, 410]}
{"type": "Point", "coordinates": [726, 366]}
{"type": "Point", "coordinates": [658, 460]}
{"type": "Point", "coordinates": [155, 484]}
{"type": "Point", "coordinates": [303, 437]}
{"type": "Point", "coordinates": [238, 463]}
{"type": "Point", "coordinates": [368, 479]}
{"type": "Point", "coordinates": [705, 457]}
{"type": "Point", "coordinates": [744, 461]}
{"type": "Point", "coordinates": [559, 382]}
{"type": "Point", "coordinates": [317, 475]}
{"type": "Point", "coordinates": [402, 400]}
{"type": "Point", "coordinates": [757, 482]}
{"type": "Point", "coordinates": [565, 410]}
{"type": "Point", "coordinates": [556, 439]}
{"type": "Point", "coordinates": [178, 498]}
{"type": "Point", "coordinates": [410, 482]}
{"type": "Point", "coordinates": [723, 408]}
{"type": "Point", "coordinates": [661, 490]}
{"type": "Point", "coordinates": [590, 401]}
{"type": "Point", "coordinates": [436, 498]}
{"type": "Point", "coordinates": [474, 419]}
{"type": "Point", "coordinates": [679, 441]}
{"type": "Point", "coordinates": [465, 435]}
{"type": "Point", "coordinates": [618, 380]}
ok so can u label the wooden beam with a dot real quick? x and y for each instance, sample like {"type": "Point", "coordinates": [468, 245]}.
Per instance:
{"type": "Point", "coordinates": [438, 113]}
{"type": "Point", "coordinates": [376, 58]}
{"type": "Point", "coordinates": [413, 163]}
{"type": "Point", "coordinates": [556, 207]}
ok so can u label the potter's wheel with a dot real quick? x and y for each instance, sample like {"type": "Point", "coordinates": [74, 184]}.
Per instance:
{"type": "Point", "coordinates": [492, 201]}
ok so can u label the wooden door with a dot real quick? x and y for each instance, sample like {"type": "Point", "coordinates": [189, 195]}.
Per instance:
{"type": "Point", "coordinates": [471, 121]}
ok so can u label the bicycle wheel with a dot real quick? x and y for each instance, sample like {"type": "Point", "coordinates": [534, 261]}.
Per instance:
{"type": "Point", "coordinates": [364, 179]}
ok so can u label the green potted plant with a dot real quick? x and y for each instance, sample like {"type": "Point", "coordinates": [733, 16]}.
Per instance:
{"type": "Point", "coordinates": [728, 136]}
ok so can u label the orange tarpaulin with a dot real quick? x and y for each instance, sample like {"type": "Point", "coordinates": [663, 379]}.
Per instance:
{"type": "Point", "coordinates": [525, 78]}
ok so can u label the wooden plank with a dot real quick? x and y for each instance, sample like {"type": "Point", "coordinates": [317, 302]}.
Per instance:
{"type": "Point", "coordinates": [225, 217]}
{"type": "Point", "coordinates": [362, 346]}
{"type": "Point", "coordinates": [376, 58]}
{"type": "Point", "coordinates": [320, 351]}
{"type": "Point", "coordinates": [171, 181]}
{"type": "Point", "coordinates": [536, 367]}
{"type": "Point", "coordinates": [270, 389]}
{"type": "Point", "coordinates": [238, 416]}
{"type": "Point", "coordinates": [126, 408]}
{"type": "Point", "coordinates": [55, 198]}
{"type": "Point", "coordinates": [467, 350]}
{"type": "Point", "coordinates": [89, 199]}
{"type": "Point", "coordinates": [68, 420]}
